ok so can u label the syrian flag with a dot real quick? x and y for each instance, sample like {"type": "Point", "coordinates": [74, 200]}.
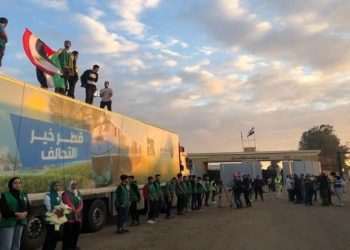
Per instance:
{"type": "Point", "coordinates": [38, 53]}
{"type": "Point", "coordinates": [251, 131]}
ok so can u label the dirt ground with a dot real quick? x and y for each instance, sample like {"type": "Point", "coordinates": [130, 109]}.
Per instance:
{"type": "Point", "coordinates": [272, 224]}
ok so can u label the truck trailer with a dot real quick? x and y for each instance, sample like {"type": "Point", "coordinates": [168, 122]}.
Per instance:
{"type": "Point", "coordinates": [47, 137]}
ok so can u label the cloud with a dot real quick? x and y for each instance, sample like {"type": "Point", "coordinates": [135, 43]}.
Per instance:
{"type": "Point", "coordinates": [96, 39]}
{"type": "Point", "coordinates": [129, 11]}
{"type": "Point", "coordinates": [170, 63]}
{"type": "Point", "coordinates": [59, 5]}
{"type": "Point", "coordinates": [95, 13]}
{"type": "Point", "coordinates": [133, 64]}
{"type": "Point", "coordinates": [244, 63]}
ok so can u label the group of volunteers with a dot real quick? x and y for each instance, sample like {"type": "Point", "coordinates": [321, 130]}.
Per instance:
{"type": "Point", "coordinates": [61, 210]}
{"type": "Point", "coordinates": [65, 82]}
{"type": "Point", "coordinates": [189, 191]}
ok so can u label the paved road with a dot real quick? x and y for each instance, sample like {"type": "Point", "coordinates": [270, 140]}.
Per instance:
{"type": "Point", "coordinates": [272, 224]}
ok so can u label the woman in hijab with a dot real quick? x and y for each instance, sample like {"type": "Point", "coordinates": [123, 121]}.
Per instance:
{"type": "Point", "coordinates": [71, 229]}
{"type": "Point", "coordinates": [14, 207]}
{"type": "Point", "coordinates": [51, 199]}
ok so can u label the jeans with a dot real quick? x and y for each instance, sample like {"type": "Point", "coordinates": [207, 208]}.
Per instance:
{"type": "Point", "coordinates": [133, 211]}
{"type": "Point", "coordinates": [152, 206]}
{"type": "Point", "coordinates": [339, 194]}
{"type": "Point", "coordinates": [72, 80]}
{"type": "Point", "coordinates": [168, 202]}
{"type": "Point", "coordinates": [121, 217]}
{"type": "Point", "coordinates": [237, 199]}
{"type": "Point", "coordinates": [90, 90]}
{"type": "Point", "coordinates": [10, 237]}
{"type": "Point", "coordinates": [108, 104]}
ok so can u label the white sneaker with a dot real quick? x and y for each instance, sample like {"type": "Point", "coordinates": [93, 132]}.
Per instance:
{"type": "Point", "coordinates": [151, 222]}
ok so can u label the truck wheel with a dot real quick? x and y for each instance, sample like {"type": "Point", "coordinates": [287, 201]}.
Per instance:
{"type": "Point", "coordinates": [97, 216]}
{"type": "Point", "coordinates": [34, 232]}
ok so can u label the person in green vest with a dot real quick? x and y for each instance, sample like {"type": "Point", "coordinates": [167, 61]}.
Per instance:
{"type": "Point", "coordinates": [188, 187]}
{"type": "Point", "coordinates": [159, 195]}
{"type": "Point", "coordinates": [206, 190]}
{"type": "Point", "coordinates": [169, 193]}
{"type": "Point", "coordinates": [200, 192]}
{"type": "Point", "coordinates": [3, 37]}
{"type": "Point", "coordinates": [51, 199]}
{"type": "Point", "coordinates": [122, 204]}
{"type": "Point", "coordinates": [151, 196]}
{"type": "Point", "coordinates": [135, 197]}
{"type": "Point", "coordinates": [278, 185]}
{"type": "Point", "coordinates": [180, 193]}
{"type": "Point", "coordinates": [65, 58]}
{"type": "Point", "coordinates": [14, 208]}
{"type": "Point", "coordinates": [194, 204]}
{"type": "Point", "coordinates": [71, 229]}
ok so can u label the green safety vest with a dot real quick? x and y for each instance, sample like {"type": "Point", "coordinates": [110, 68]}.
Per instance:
{"type": "Point", "coordinates": [188, 187]}
{"type": "Point", "coordinates": [134, 192]}
{"type": "Point", "coordinates": [158, 189]}
{"type": "Point", "coordinates": [13, 206]}
{"type": "Point", "coordinates": [122, 196]}
{"type": "Point", "coordinates": [75, 200]}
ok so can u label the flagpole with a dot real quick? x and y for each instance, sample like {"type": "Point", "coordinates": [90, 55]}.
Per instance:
{"type": "Point", "coordinates": [254, 141]}
{"type": "Point", "coordinates": [242, 141]}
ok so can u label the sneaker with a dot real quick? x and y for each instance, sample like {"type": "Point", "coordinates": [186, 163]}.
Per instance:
{"type": "Point", "coordinates": [125, 230]}
{"type": "Point", "coordinates": [214, 202]}
{"type": "Point", "coordinates": [119, 231]}
{"type": "Point", "coordinates": [151, 222]}
{"type": "Point", "coordinates": [341, 204]}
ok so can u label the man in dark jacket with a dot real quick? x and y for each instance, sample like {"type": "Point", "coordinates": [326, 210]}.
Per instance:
{"type": "Point", "coordinates": [258, 188]}
{"type": "Point", "coordinates": [89, 81]}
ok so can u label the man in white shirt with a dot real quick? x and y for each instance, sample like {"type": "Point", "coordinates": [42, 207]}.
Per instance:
{"type": "Point", "coordinates": [106, 96]}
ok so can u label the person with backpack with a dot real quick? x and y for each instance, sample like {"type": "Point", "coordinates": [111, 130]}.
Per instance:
{"type": "Point", "coordinates": [89, 81]}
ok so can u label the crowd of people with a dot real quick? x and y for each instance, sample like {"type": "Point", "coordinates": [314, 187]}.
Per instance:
{"type": "Point", "coordinates": [68, 63]}
{"type": "Point", "coordinates": [65, 83]}
{"type": "Point", "coordinates": [304, 188]}
{"type": "Point", "coordinates": [190, 192]}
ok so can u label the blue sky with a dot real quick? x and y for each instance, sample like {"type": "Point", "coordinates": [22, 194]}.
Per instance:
{"type": "Point", "coordinates": [206, 69]}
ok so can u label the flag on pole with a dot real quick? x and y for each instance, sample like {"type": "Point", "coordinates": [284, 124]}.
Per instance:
{"type": "Point", "coordinates": [38, 53]}
{"type": "Point", "coordinates": [44, 58]}
{"type": "Point", "coordinates": [241, 135]}
{"type": "Point", "coordinates": [251, 131]}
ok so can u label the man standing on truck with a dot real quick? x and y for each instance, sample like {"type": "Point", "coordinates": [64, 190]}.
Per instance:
{"type": "Point", "coordinates": [135, 197]}
{"type": "Point", "coordinates": [89, 81]}
{"type": "Point", "coordinates": [74, 75]}
{"type": "Point", "coordinates": [3, 37]}
{"type": "Point", "coordinates": [122, 204]}
{"type": "Point", "coordinates": [106, 97]}
{"type": "Point", "coordinates": [65, 58]}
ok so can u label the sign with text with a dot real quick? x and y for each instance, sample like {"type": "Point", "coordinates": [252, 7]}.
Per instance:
{"type": "Point", "coordinates": [42, 143]}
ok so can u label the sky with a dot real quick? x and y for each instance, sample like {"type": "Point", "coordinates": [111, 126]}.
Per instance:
{"type": "Point", "coordinates": [206, 69]}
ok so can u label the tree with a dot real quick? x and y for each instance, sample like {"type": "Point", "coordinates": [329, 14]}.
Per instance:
{"type": "Point", "coordinates": [322, 137]}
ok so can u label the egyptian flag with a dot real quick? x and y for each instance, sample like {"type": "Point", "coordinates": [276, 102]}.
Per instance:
{"type": "Point", "coordinates": [44, 59]}
{"type": "Point", "coordinates": [251, 131]}
{"type": "Point", "coordinates": [38, 53]}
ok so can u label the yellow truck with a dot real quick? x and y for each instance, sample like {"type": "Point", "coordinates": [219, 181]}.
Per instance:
{"type": "Point", "coordinates": [45, 137]}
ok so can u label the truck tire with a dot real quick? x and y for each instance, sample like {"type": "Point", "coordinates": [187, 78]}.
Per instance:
{"type": "Point", "coordinates": [34, 232]}
{"type": "Point", "coordinates": [97, 216]}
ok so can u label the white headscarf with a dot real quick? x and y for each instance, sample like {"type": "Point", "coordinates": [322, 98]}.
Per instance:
{"type": "Point", "coordinates": [70, 188]}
